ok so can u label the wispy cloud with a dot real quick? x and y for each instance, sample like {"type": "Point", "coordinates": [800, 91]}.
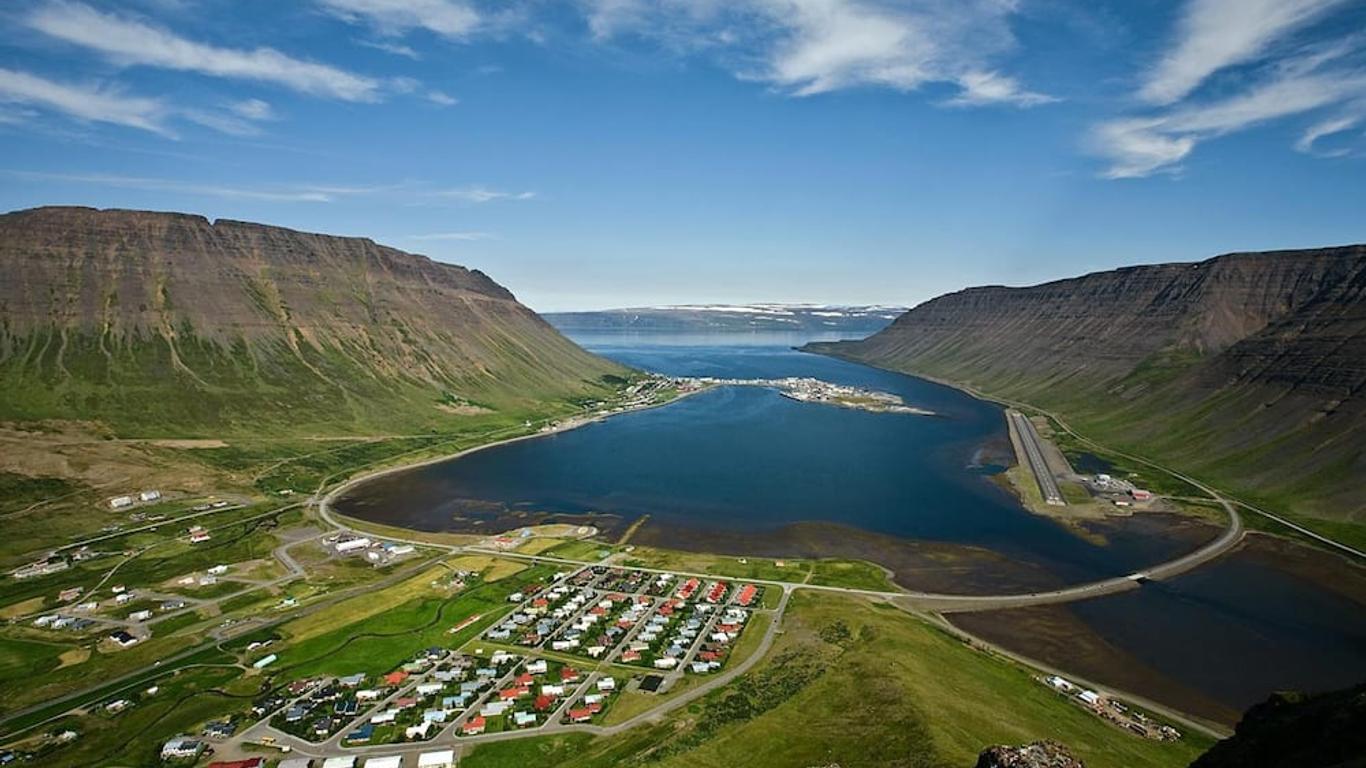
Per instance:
{"type": "Point", "coordinates": [396, 49]}
{"type": "Point", "coordinates": [1143, 146]}
{"type": "Point", "coordinates": [253, 109]}
{"type": "Point", "coordinates": [1215, 34]}
{"type": "Point", "coordinates": [810, 47]}
{"type": "Point", "coordinates": [1324, 129]}
{"type": "Point", "coordinates": [97, 102]}
{"type": "Point", "coordinates": [282, 194]}
{"type": "Point", "coordinates": [449, 18]}
{"type": "Point", "coordinates": [457, 236]}
{"type": "Point", "coordinates": [129, 42]}
{"type": "Point", "coordinates": [442, 98]}
{"type": "Point", "coordinates": [478, 194]}
{"type": "Point", "coordinates": [414, 192]}
{"type": "Point", "coordinates": [983, 88]}
{"type": "Point", "coordinates": [1280, 77]}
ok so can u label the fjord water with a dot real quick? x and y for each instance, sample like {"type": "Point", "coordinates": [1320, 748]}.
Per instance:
{"type": "Point", "coordinates": [741, 469]}
{"type": "Point", "coordinates": [734, 468]}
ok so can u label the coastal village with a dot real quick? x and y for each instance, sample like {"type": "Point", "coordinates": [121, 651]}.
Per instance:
{"type": "Point", "coordinates": [569, 646]}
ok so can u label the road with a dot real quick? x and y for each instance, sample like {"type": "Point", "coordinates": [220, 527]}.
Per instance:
{"type": "Point", "coordinates": [1033, 450]}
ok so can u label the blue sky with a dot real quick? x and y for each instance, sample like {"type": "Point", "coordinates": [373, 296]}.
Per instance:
{"type": "Point", "coordinates": [599, 153]}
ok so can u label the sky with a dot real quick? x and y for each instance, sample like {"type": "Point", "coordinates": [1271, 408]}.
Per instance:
{"type": "Point", "coordinates": [605, 153]}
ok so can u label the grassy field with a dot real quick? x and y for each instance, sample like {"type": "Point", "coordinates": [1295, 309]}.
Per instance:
{"type": "Point", "coordinates": [584, 549]}
{"type": "Point", "coordinates": [134, 736]}
{"type": "Point", "coordinates": [362, 607]}
{"type": "Point", "coordinates": [854, 574]}
{"type": "Point", "coordinates": [855, 683]}
{"type": "Point", "coordinates": [383, 640]}
{"type": "Point", "coordinates": [722, 565]}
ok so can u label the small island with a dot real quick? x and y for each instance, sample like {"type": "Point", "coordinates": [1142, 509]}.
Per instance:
{"type": "Point", "coordinates": [811, 390]}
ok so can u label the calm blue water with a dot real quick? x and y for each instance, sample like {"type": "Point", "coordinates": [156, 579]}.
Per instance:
{"type": "Point", "coordinates": [745, 470]}
{"type": "Point", "coordinates": [745, 461]}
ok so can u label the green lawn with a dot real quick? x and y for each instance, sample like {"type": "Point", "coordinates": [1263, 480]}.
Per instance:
{"type": "Point", "coordinates": [381, 642]}
{"type": "Point", "coordinates": [24, 659]}
{"type": "Point", "coordinates": [854, 574]}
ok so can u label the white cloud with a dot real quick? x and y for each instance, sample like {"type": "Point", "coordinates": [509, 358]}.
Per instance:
{"type": "Point", "coordinates": [1323, 129]}
{"type": "Point", "coordinates": [457, 236]}
{"type": "Point", "coordinates": [1215, 34]}
{"type": "Point", "coordinates": [394, 48]}
{"type": "Point", "coordinates": [96, 103]}
{"type": "Point", "coordinates": [442, 98]}
{"type": "Point", "coordinates": [129, 42]}
{"type": "Point", "coordinates": [449, 18]}
{"type": "Point", "coordinates": [1275, 80]}
{"type": "Point", "coordinates": [253, 109]}
{"type": "Point", "coordinates": [269, 194]}
{"type": "Point", "coordinates": [809, 47]}
{"type": "Point", "coordinates": [982, 88]}
{"type": "Point", "coordinates": [221, 121]}
{"type": "Point", "coordinates": [1143, 146]}
{"type": "Point", "coordinates": [477, 194]}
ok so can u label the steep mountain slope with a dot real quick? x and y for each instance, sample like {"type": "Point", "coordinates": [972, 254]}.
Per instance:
{"type": "Point", "coordinates": [1326, 730]}
{"type": "Point", "coordinates": [731, 318]}
{"type": "Point", "coordinates": [1248, 368]}
{"type": "Point", "coordinates": [158, 323]}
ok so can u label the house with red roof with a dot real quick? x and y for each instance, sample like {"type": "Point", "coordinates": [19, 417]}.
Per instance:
{"type": "Point", "coordinates": [473, 726]}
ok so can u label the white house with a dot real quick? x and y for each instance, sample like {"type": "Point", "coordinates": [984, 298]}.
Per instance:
{"type": "Point", "coordinates": [119, 502]}
{"type": "Point", "coordinates": [149, 495]}
{"type": "Point", "coordinates": [352, 545]}
{"type": "Point", "coordinates": [444, 758]}
{"type": "Point", "coordinates": [418, 731]}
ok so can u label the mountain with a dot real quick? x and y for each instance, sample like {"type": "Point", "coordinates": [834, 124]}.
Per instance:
{"type": "Point", "coordinates": [1326, 730]}
{"type": "Point", "coordinates": [1247, 368]}
{"type": "Point", "coordinates": [165, 323]}
{"type": "Point", "coordinates": [730, 318]}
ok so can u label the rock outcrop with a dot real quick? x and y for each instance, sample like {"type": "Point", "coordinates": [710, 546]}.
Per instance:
{"type": "Point", "coordinates": [1040, 754]}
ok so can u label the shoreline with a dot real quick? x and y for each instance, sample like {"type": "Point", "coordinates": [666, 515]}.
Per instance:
{"type": "Point", "coordinates": [1333, 546]}
{"type": "Point", "coordinates": [326, 503]}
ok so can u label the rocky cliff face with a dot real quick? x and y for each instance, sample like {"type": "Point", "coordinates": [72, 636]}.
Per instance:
{"type": "Point", "coordinates": [1248, 367]}
{"type": "Point", "coordinates": [1326, 730]}
{"type": "Point", "coordinates": [133, 317]}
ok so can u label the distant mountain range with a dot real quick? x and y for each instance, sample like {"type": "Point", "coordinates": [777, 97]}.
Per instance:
{"type": "Point", "coordinates": [1248, 369]}
{"type": "Point", "coordinates": [728, 318]}
{"type": "Point", "coordinates": [158, 323]}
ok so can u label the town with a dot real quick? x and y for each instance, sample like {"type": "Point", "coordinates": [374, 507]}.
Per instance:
{"type": "Point", "coordinates": [572, 644]}
{"type": "Point", "coordinates": [810, 390]}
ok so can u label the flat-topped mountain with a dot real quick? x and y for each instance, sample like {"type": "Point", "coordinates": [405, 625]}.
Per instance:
{"type": "Point", "coordinates": [731, 318]}
{"type": "Point", "coordinates": [1248, 368]}
{"type": "Point", "coordinates": [157, 322]}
